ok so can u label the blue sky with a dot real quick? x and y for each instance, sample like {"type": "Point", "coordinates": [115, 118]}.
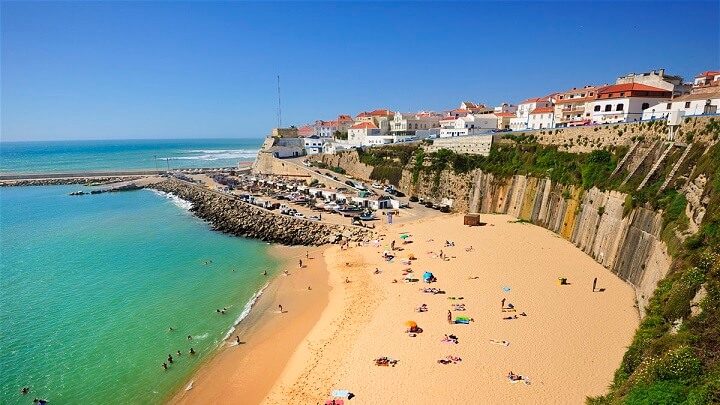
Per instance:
{"type": "Point", "coordinates": [121, 70]}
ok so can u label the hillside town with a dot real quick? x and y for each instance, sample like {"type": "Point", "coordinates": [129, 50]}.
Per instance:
{"type": "Point", "coordinates": [634, 97]}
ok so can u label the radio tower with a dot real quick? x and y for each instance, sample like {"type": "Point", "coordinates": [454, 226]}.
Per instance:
{"type": "Point", "coordinates": [279, 111]}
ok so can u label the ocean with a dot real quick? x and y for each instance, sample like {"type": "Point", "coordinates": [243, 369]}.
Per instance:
{"type": "Point", "coordinates": [60, 156]}
{"type": "Point", "coordinates": [90, 285]}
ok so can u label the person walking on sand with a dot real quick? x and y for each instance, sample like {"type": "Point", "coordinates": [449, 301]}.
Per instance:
{"type": "Point", "coordinates": [594, 284]}
{"type": "Point", "coordinates": [237, 339]}
{"type": "Point", "coordinates": [307, 255]}
{"type": "Point", "coordinates": [449, 316]}
{"type": "Point", "coordinates": [300, 263]}
{"type": "Point", "coordinates": [280, 306]}
{"type": "Point", "coordinates": [502, 304]}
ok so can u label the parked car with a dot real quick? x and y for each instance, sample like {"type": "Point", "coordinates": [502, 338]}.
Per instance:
{"type": "Point", "coordinates": [299, 215]}
{"type": "Point", "coordinates": [399, 193]}
{"type": "Point", "coordinates": [445, 209]}
{"type": "Point", "coordinates": [377, 186]}
{"type": "Point", "coordinates": [349, 183]}
{"type": "Point", "coordinates": [429, 204]}
{"type": "Point", "coordinates": [315, 217]}
{"type": "Point", "coordinates": [413, 198]}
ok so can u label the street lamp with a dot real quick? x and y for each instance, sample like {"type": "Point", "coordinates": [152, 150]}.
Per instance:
{"type": "Point", "coordinates": [157, 171]}
{"type": "Point", "coordinates": [167, 160]}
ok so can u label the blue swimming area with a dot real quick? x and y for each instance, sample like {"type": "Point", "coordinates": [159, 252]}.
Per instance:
{"type": "Point", "coordinates": [90, 285]}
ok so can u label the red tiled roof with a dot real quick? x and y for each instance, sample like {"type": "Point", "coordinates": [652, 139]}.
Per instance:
{"type": "Point", "coordinates": [381, 112]}
{"type": "Point", "coordinates": [363, 114]}
{"type": "Point", "coordinates": [344, 118]}
{"type": "Point", "coordinates": [503, 114]}
{"type": "Point", "coordinates": [708, 73]}
{"type": "Point", "coordinates": [364, 125]}
{"type": "Point", "coordinates": [542, 110]}
{"type": "Point", "coordinates": [629, 87]}
{"type": "Point", "coordinates": [449, 119]}
{"type": "Point", "coordinates": [535, 100]}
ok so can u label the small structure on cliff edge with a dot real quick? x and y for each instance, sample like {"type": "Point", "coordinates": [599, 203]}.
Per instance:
{"type": "Point", "coordinates": [471, 220]}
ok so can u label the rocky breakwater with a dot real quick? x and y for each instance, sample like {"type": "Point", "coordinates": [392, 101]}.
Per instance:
{"type": "Point", "coordinates": [231, 215]}
{"type": "Point", "coordinates": [86, 181]}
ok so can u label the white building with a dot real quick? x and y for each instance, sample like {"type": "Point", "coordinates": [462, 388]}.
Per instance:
{"type": "Point", "coordinates": [522, 119]}
{"type": "Point", "coordinates": [325, 129]}
{"type": "Point", "coordinates": [541, 118]}
{"type": "Point", "coordinates": [409, 123]}
{"type": "Point", "coordinates": [691, 104]}
{"type": "Point", "coordinates": [506, 108]}
{"type": "Point", "coordinates": [358, 134]}
{"type": "Point", "coordinates": [625, 102]}
{"type": "Point", "coordinates": [468, 125]}
{"type": "Point", "coordinates": [332, 147]}
{"type": "Point", "coordinates": [314, 144]}
{"type": "Point", "coordinates": [574, 107]}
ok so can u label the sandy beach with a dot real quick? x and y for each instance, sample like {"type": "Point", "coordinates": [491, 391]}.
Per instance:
{"type": "Point", "coordinates": [565, 340]}
{"type": "Point", "coordinates": [567, 345]}
{"type": "Point", "coordinates": [245, 373]}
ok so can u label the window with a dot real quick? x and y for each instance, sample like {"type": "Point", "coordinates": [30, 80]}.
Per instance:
{"type": "Point", "coordinates": [620, 107]}
{"type": "Point", "coordinates": [687, 104]}
{"type": "Point", "coordinates": [645, 106]}
{"type": "Point", "coordinates": [597, 108]}
{"type": "Point", "coordinates": [591, 94]}
{"type": "Point", "coordinates": [582, 94]}
{"type": "Point", "coordinates": [669, 106]}
{"type": "Point", "coordinates": [622, 94]}
{"type": "Point", "coordinates": [608, 107]}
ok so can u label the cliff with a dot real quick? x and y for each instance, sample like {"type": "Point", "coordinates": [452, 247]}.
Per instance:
{"type": "Point", "coordinates": [234, 216]}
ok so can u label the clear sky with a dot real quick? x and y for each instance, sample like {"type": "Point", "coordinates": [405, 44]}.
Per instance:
{"type": "Point", "coordinates": [109, 70]}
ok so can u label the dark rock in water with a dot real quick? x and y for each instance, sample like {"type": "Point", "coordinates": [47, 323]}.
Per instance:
{"type": "Point", "coordinates": [228, 214]}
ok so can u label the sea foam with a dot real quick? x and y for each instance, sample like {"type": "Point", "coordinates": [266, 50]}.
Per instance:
{"type": "Point", "coordinates": [246, 311]}
{"type": "Point", "coordinates": [179, 202]}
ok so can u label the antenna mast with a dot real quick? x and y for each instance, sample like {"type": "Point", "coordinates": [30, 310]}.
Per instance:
{"type": "Point", "coordinates": [279, 105]}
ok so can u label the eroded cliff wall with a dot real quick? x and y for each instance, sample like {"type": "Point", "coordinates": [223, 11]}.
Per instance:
{"type": "Point", "coordinates": [627, 242]}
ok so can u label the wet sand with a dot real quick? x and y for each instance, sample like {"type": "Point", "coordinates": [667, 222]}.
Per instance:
{"type": "Point", "coordinates": [245, 373]}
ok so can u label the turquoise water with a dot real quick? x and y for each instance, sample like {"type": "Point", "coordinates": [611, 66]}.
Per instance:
{"type": "Point", "coordinates": [57, 156]}
{"type": "Point", "coordinates": [90, 285]}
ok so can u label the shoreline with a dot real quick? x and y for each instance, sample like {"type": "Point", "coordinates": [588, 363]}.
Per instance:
{"type": "Point", "coordinates": [246, 372]}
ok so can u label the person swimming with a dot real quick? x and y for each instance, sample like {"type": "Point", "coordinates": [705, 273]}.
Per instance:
{"type": "Point", "coordinates": [189, 337]}
{"type": "Point", "coordinates": [170, 359]}
{"type": "Point", "coordinates": [164, 366]}
{"type": "Point", "coordinates": [192, 351]}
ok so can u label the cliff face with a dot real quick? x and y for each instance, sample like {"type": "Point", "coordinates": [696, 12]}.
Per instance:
{"type": "Point", "coordinates": [233, 216]}
{"type": "Point", "coordinates": [630, 245]}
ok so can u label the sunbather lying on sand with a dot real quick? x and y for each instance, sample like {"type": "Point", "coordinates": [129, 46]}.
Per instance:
{"type": "Point", "coordinates": [432, 291]}
{"type": "Point", "coordinates": [469, 249]}
{"type": "Point", "coordinates": [450, 339]}
{"type": "Point", "coordinates": [456, 298]}
{"type": "Point", "coordinates": [422, 308]}
{"type": "Point", "coordinates": [414, 329]}
{"type": "Point", "coordinates": [385, 361]}
{"type": "Point", "coordinates": [449, 360]}
{"type": "Point", "coordinates": [517, 378]}
{"type": "Point", "coordinates": [500, 342]}
{"type": "Point", "coordinates": [459, 307]}
{"type": "Point", "coordinates": [510, 317]}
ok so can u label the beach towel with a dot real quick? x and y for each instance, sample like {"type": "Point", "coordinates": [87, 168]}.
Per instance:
{"type": "Point", "coordinates": [524, 380]}
{"type": "Point", "coordinates": [341, 393]}
{"type": "Point", "coordinates": [500, 342]}
{"type": "Point", "coordinates": [506, 288]}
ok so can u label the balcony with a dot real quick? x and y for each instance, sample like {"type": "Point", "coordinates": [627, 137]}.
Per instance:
{"type": "Point", "coordinates": [577, 109]}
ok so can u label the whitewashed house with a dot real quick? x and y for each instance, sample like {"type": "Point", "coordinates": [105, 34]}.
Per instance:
{"type": "Point", "coordinates": [314, 144]}
{"type": "Point", "coordinates": [691, 104]}
{"type": "Point", "coordinates": [522, 115]}
{"type": "Point", "coordinates": [541, 118]}
{"type": "Point", "coordinates": [625, 102]}
{"type": "Point", "coordinates": [468, 125]}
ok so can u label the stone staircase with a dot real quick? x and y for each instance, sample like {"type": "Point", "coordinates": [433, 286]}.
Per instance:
{"type": "Point", "coordinates": [675, 168]}
{"type": "Point", "coordinates": [655, 166]}
{"type": "Point", "coordinates": [625, 158]}
{"type": "Point", "coordinates": [635, 169]}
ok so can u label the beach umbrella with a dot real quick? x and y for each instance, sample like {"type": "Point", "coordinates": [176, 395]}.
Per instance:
{"type": "Point", "coordinates": [411, 324]}
{"type": "Point", "coordinates": [427, 275]}
{"type": "Point", "coordinates": [404, 236]}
